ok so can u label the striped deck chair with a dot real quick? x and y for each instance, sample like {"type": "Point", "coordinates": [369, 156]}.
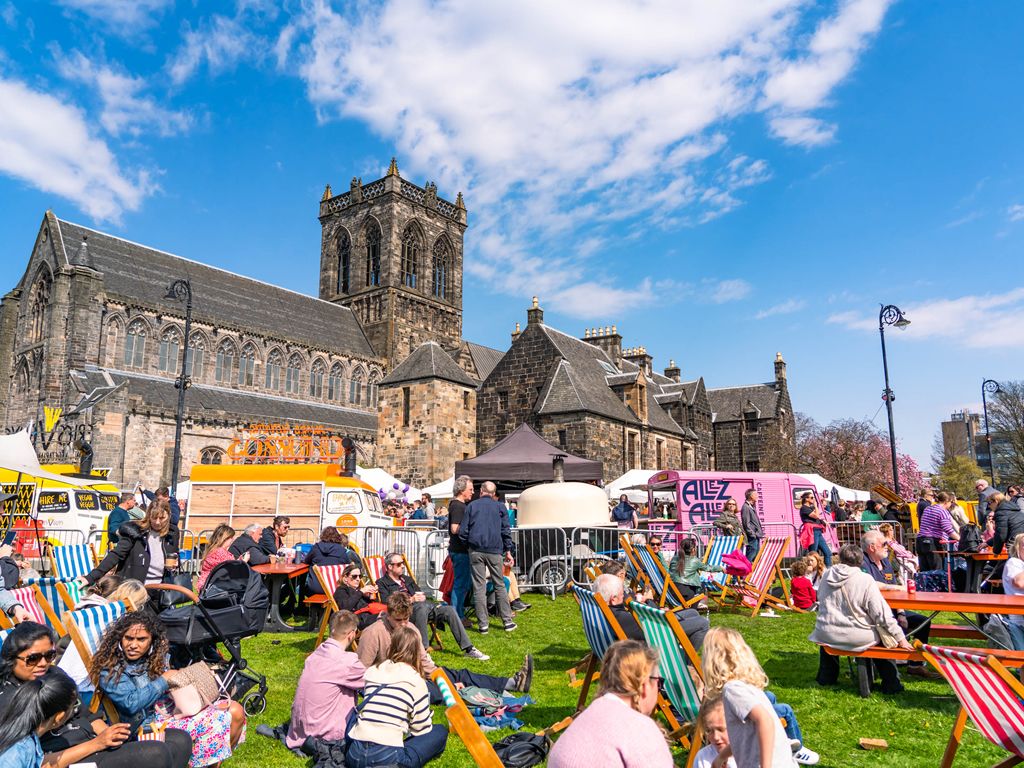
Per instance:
{"type": "Point", "coordinates": [60, 601]}
{"type": "Point", "coordinates": [86, 628]}
{"type": "Point", "coordinates": [753, 592]}
{"type": "Point", "coordinates": [601, 630]}
{"type": "Point", "coordinates": [718, 546]}
{"type": "Point", "coordinates": [676, 657]}
{"type": "Point", "coordinates": [654, 576]}
{"type": "Point", "coordinates": [989, 694]}
{"type": "Point", "coordinates": [3, 635]}
{"type": "Point", "coordinates": [329, 577]}
{"type": "Point", "coordinates": [70, 593]}
{"type": "Point", "coordinates": [462, 722]}
{"type": "Point", "coordinates": [37, 605]}
{"type": "Point", "coordinates": [69, 561]}
{"type": "Point", "coordinates": [374, 569]}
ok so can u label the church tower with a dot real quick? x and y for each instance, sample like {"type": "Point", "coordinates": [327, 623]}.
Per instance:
{"type": "Point", "coordinates": [391, 251]}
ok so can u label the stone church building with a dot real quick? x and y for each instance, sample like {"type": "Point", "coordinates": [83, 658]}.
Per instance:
{"type": "Point", "coordinates": [91, 329]}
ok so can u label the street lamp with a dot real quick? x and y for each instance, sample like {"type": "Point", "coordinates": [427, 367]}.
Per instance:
{"type": "Point", "coordinates": [181, 290]}
{"type": "Point", "coordinates": [991, 387]}
{"type": "Point", "coordinates": [892, 315]}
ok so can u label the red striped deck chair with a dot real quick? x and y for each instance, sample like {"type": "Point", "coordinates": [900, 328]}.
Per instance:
{"type": "Point", "coordinates": [39, 608]}
{"type": "Point", "coordinates": [374, 570]}
{"type": "Point", "coordinates": [329, 577]}
{"type": "Point", "coordinates": [753, 592]}
{"type": "Point", "coordinates": [988, 694]}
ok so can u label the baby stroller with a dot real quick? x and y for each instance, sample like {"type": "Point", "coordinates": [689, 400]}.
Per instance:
{"type": "Point", "coordinates": [232, 605]}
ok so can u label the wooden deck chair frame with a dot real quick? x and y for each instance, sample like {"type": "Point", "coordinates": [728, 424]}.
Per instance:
{"type": "Point", "coordinates": [435, 636]}
{"type": "Point", "coordinates": [53, 560]}
{"type": "Point", "coordinates": [84, 652]}
{"type": "Point", "coordinates": [956, 734]}
{"type": "Point", "coordinates": [65, 596]}
{"type": "Point", "coordinates": [733, 595]}
{"type": "Point", "coordinates": [44, 605]}
{"type": "Point", "coordinates": [592, 672]}
{"type": "Point", "coordinates": [669, 588]}
{"type": "Point", "coordinates": [461, 721]}
{"type": "Point", "coordinates": [330, 606]}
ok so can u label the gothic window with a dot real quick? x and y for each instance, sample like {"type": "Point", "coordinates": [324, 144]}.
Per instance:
{"type": "Point", "coordinates": [170, 347]}
{"type": "Point", "coordinates": [316, 380]}
{"type": "Point", "coordinates": [195, 360]}
{"type": "Point", "coordinates": [211, 456]}
{"type": "Point", "coordinates": [373, 238]}
{"type": "Point", "coordinates": [110, 353]}
{"type": "Point", "coordinates": [225, 363]}
{"type": "Point", "coordinates": [442, 267]}
{"type": "Point", "coordinates": [406, 398]}
{"type": "Point", "coordinates": [371, 389]}
{"type": "Point", "coordinates": [247, 366]}
{"type": "Point", "coordinates": [273, 371]}
{"type": "Point", "coordinates": [410, 257]}
{"type": "Point", "coordinates": [355, 389]}
{"type": "Point", "coordinates": [334, 384]}
{"type": "Point", "coordinates": [22, 379]}
{"type": "Point", "coordinates": [37, 307]}
{"type": "Point", "coordinates": [135, 344]}
{"type": "Point", "coordinates": [344, 262]}
{"type": "Point", "coordinates": [291, 376]}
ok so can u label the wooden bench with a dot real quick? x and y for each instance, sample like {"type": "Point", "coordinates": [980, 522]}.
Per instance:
{"type": "Point", "coordinates": [955, 631]}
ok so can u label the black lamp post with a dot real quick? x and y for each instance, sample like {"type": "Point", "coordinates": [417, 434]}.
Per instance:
{"type": "Point", "coordinates": [181, 290]}
{"type": "Point", "coordinates": [892, 315]}
{"type": "Point", "coordinates": [990, 387]}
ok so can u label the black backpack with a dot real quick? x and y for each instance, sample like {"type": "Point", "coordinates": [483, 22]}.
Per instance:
{"type": "Point", "coordinates": [970, 538]}
{"type": "Point", "coordinates": [9, 573]}
{"type": "Point", "coordinates": [521, 750]}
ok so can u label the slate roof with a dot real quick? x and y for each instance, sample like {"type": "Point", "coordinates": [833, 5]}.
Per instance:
{"type": "Point", "coordinates": [727, 403]}
{"type": "Point", "coordinates": [429, 361]}
{"type": "Point", "coordinates": [485, 359]}
{"type": "Point", "coordinates": [138, 274]}
{"type": "Point", "coordinates": [159, 392]}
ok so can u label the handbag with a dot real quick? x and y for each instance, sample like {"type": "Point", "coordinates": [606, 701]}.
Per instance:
{"type": "Point", "coordinates": [522, 750]}
{"type": "Point", "coordinates": [196, 689]}
{"type": "Point", "coordinates": [886, 638]}
{"type": "Point", "coordinates": [170, 598]}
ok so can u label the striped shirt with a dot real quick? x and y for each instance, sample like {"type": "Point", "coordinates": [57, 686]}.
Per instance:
{"type": "Point", "coordinates": [395, 703]}
{"type": "Point", "coordinates": [936, 523]}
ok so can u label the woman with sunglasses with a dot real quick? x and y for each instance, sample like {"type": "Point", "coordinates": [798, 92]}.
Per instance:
{"type": "Point", "coordinates": [362, 601]}
{"type": "Point", "coordinates": [26, 655]}
{"type": "Point", "coordinates": [728, 520]}
{"type": "Point", "coordinates": [616, 730]}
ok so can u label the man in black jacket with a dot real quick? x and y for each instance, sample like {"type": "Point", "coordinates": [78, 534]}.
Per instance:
{"type": "Point", "coordinates": [487, 534]}
{"type": "Point", "coordinates": [272, 538]}
{"type": "Point", "coordinates": [424, 611]}
{"type": "Point", "coordinates": [246, 542]}
{"type": "Point", "coordinates": [752, 529]}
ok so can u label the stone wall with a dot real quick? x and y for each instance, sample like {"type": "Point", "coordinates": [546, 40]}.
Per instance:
{"type": "Point", "coordinates": [441, 430]}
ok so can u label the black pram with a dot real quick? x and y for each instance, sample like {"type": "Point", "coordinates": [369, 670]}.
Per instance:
{"type": "Point", "coordinates": [232, 605]}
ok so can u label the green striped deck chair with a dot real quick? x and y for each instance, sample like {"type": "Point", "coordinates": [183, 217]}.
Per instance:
{"type": "Point", "coordinates": [676, 657]}
{"type": "Point", "coordinates": [753, 592]}
{"type": "Point", "coordinates": [54, 590]}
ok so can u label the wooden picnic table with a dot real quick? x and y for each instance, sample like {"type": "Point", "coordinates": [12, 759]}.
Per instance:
{"type": "Point", "coordinates": [278, 575]}
{"type": "Point", "coordinates": [960, 603]}
{"type": "Point", "coordinates": [976, 565]}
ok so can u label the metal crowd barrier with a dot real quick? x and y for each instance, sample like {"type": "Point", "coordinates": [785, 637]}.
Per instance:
{"type": "Point", "coordinates": [543, 559]}
{"type": "Point", "coordinates": [851, 531]}
{"type": "Point", "coordinates": [704, 532]}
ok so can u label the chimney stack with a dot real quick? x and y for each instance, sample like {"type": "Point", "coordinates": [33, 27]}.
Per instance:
{"type": "Point", "coordinates": [639, 357]}
{"type": "Point", "coordinates": [780, 369]}
{"type": "Point", "coordinates": [534, 315]}
{"type": "Point", "coordinates": [607, 339]}
{"type": "Point", "coordinates": [672, 371]}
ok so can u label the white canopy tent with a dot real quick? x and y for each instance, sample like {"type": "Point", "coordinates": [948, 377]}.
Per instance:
{"type": "Point", "coordinates": [381, 480]}
{"type": "Point", "coordinates": [627, 484]}
{"type": "Point", "coordinates": [18, 455]}
{"type": "Point", "coordinates": [443, 490]}
{"type": "Point", "coordinates": [825, 486]}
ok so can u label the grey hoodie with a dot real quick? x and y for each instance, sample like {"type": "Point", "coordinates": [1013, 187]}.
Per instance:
{"type": "Point", "coordinates": [850, 606]}
{"type": "Point", "coordinates": [7, 601]}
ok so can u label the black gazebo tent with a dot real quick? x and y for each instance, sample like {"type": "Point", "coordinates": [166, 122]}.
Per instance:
{"type": "Point", "coordinates": [525, 458]}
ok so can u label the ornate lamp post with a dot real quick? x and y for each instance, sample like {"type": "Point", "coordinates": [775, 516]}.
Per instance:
{"type": "Point", "coordinates": [991, 387]}
{"type": "Point", "coordinates": [892, 315]}
{"type": "Point", "coordinates": [181, 290]}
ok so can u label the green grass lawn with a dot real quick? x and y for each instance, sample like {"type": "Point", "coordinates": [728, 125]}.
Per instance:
{"type": "Point", "coordinates": [916, 723]}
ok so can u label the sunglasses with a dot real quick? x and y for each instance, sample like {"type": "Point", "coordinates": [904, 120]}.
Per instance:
{"type": "Point", "coordinates": [656, 545]}
{"type": "Point", "coordinates": [354, 576]}
{"type": "Point", "coordinates": [397, 562]}
{"type": "Point", "coordinates": [34, 658]}
{"type": "Point", "coordinates": [660, 682]}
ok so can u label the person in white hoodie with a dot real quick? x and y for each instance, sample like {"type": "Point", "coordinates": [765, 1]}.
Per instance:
{"type": "Point", "coordinates": [850, 610]}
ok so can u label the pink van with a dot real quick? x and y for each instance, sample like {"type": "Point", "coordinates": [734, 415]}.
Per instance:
{"type": "Point", "coordinates": [700, 496]}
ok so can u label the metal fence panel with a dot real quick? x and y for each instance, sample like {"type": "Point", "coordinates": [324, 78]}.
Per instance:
{"type": "Point", "coordinates": [542, 558]}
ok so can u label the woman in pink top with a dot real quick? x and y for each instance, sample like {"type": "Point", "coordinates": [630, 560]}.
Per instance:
{"type": "Point", "coordinates": [616, 730]}
{"type": "Point", "coordinates": [217, 552]}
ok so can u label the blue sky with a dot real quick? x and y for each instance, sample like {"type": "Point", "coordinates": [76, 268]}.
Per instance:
{"type": "Point", "coordinates": [721, 180]}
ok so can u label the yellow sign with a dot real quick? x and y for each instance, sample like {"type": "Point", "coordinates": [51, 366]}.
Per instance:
{"type": "Point", "coordinates": [51, 417]}
{"type": "Point", "coordinates": [286, 444]}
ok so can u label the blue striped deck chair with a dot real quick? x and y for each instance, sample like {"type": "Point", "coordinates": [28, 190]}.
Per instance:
{"type": "Point", "coordinates": [655, 576]}
{"type": "Point", "coordinates": [69, 561]}
{"type": "Point", "coordinates": [601, 629]}
{"type": "Point", "coordinates": [3, 635]}
{"type": "Point", "coordinates": [50, 587]}
{"type": "Point", "coordinates": [676, 658]}
{"type": "Point", "coordinates": [86, 627]}
{"type": "Point", "coordinates": [717, 548]}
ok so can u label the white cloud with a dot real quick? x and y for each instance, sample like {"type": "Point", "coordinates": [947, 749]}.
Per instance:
{"type": "Point", "coordinates": [785, 308]}
{"type": "Point", "coordinates": [219, 41]}
{"type": "Point", "coordinates": [126, 111]}
{"type": "Point", "coordinates": [724, 291]}
{"type": "Point", "coordinates": [48, 144]}
{"type": "Point", "coordinates": [561, 119]}
{"type": "Point", "coordinates": [988, 321]}
{"type": "Point", "coordinates": [1015, 212]}
{"type": "Point", "coordinates": [123, 17]}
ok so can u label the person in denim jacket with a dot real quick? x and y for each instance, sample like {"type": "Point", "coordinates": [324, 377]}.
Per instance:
{"type": "Point", "coordinates": [35, 708]}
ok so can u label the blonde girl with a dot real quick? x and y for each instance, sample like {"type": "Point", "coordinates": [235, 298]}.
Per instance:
{"type": "Point", "coordinates": [816, 567]}
{"type": "Point", "coordinates": [731, 670]}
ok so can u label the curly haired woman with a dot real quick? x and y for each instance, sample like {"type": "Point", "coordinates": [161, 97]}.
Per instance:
{"type": "Point", "coordinates": [130, 667]}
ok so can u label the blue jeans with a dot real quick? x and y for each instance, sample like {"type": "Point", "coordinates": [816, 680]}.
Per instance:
{"type": "Point", "coordinates": [415, 753]}
{"type": "Point", "coordinates": [786, 713]}
{"type": "Point", "coordinates": [463, 582]}
{"type": "Point", "coordinates": [752, 548]}
{"type": "Point", "coordinates": [822, 546]}
{"type": "Point", "coordinates": [1016, 635]}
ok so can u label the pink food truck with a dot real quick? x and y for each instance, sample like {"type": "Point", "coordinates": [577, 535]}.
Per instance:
{"type": "Point", "coordinates": [700, 496]}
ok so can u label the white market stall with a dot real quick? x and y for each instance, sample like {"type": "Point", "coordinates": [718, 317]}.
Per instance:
{"type": "Point", "coordinates": [443, 490]}
{"type": "Point", "coordinates": [631, 484]}
{"type": "Point", "coordinates": [824, 487]}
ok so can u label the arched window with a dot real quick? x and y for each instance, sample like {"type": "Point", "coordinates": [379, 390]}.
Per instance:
{"type": "Point", "coordinates": [355, 388]}
{"type": "Point", "coordinates": [211, 456]}
{"type": "Point", "coordinates": [344, 262]}
{"type": "Point", "coordinates": [373, 238]}
{"type": "Point", "coordinates": [247, 366]}
{"type": "Point", "coordinates": [23, 378]}
{"type": "Point", "coordinates": [316, 379]}
{"type": "Point", "coordinates": [371, 389]}
{"type": "Point", "coordinates": [196, 355]}
{"type": "Point", "coordinates": [170, 346]}
{"type": "Point", "coordinates": [225, 362]}
{"type": "Point", "coordinates": [334, 383]}
{"type": "Point", "coordinates": [411, 247]}
{"type": "Point", "coordinates": [110, 351]}
{"type": "Point", "coordinates": [135, 344]}
{"type": "Point", "coordinates": [291, 383]}
{"type": "Point", "coordinates": [442, 267]}
{"type": "Point", "coordinates": [274, 365]}
{"type": "Point", "coordinates": [38, 305]}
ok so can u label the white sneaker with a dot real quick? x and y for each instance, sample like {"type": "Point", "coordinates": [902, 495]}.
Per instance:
{"type": "Point", "coordinates": [805, 756]}
{"type": "Point", "coordinates": [476, 653]}
{"type": "Point", "coordinates": [768, 613]}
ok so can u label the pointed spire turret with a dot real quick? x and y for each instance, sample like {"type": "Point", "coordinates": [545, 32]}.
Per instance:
{"type": "Point", "coordinates": [393, 168]}
{"type": "Point", "coordinates": [327, 193]}
{"type": "Point", "coordinates": [459, 202]}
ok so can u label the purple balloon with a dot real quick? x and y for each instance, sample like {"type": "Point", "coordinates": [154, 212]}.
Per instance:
{"type": "Point", "coordinates": [395, 486]}
{"type": "Point", "coordinates": [405, 489]}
